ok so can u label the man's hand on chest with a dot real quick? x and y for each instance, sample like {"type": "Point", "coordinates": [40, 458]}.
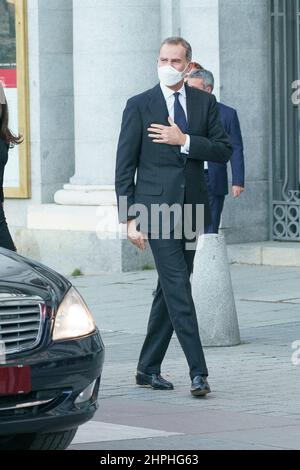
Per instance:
{"type": "Point", "coordinates": [170, 135]}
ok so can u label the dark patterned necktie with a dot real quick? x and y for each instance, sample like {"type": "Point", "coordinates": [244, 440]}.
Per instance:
{"type": "Point", "coordinates": [179, 115]}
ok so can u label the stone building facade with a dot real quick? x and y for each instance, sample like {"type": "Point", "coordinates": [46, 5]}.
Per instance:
{"type": "Point", "coordinates": [86, 58]}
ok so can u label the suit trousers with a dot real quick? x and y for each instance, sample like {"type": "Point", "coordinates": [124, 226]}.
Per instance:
{"type": "Point", "coordinates": [216, 204]}
{"type": "Point", "coordinates": [172, 308]}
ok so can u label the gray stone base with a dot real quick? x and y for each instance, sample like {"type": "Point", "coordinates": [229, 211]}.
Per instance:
{"type": "Point", "coordinates": [270, 253]}
{"type": "Point", "coordinates": [213, 294]}
{"type": "Point", "coordinates": [65, 251]}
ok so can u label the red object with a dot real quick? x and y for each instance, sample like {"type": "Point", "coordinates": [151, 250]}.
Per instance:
{"type": "Point", "coordinates": [14, 380]}
{"type": "Point", "coordinates": [8, 77]}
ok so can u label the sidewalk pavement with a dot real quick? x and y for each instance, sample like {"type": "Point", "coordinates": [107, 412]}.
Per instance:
{"type": "Point", "coordinates": [254, 402]}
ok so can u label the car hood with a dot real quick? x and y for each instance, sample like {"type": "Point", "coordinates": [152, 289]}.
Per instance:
{"type": "Point", "coordinates": [20, 275]}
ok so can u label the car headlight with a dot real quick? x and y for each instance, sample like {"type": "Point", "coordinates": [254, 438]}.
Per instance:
{"type": "Point", "coordinates": [73, 318]}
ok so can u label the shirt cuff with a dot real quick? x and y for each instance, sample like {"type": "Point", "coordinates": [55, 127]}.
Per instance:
{"type": "Point", "coordinates": [186, 147]}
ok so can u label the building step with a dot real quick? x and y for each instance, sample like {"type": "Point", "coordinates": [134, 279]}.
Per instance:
{"type": "Point", "coordinates": [269, 253]}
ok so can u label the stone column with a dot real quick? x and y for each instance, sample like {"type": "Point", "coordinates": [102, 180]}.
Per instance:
{"type": "Point", "coordinates": [170, 18]}
{"type": "Point", "coordinates": [200, 26]}
{"type": "Point", "coordinates": [115, 49]}
{"type": "Point", "coordinates": [116, 44]}
{"type": "Point", "coordinates": [247, 218]}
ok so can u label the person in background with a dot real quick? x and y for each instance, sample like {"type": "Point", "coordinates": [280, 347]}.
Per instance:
{"type": "Point", "coordinates": [7, 140]}
{"type": "Point", "coordinates": [194, 66]}
{"type": "Point", "coordinates": [216, 173]}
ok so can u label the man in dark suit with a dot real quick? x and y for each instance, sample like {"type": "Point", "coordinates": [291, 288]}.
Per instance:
{"type": "Point", "coordinates": [216, 173]}
{"type": "Point", "coordinates": [165, 140]}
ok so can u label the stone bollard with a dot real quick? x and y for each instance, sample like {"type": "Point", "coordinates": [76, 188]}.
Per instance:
{"type": "Point", "coordinates": [213, 294]}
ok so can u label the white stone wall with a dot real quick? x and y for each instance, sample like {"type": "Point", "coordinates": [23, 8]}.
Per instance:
{"type": "Point", "coordinates": [115, 49]}
{"type": "Point", "coordinates": [244, 54]}
{"type": "Point", "coordinates": [200, 26]}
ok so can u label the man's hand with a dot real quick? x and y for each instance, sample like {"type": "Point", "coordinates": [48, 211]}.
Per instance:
{"type": "Point", "coordinates": [237, 191]}
{"type": "Point", "coordinates": [137, 238]}
{"type": "Point", "coordinates": [170, 135]}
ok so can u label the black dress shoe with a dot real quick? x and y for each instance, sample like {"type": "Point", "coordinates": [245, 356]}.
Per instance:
{"type": "Point", "coordinates": [155, 381]}
{"type": "Point", "coordinates": [200, 386]}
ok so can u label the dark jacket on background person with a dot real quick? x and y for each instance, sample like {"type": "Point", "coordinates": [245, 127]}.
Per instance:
{"type": "Point", "coordinates": [217, 172]}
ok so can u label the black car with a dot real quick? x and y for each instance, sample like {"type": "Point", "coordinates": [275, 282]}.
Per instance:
{"type": "Point", "coordinates": [51, 357]}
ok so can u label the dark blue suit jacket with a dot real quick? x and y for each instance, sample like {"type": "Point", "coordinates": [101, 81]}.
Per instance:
{"type": "Point", "coordinates": [163, 176]}
{"type": "Point", "coordinates": [218, 177]}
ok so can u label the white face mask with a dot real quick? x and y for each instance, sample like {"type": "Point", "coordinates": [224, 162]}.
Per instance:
{"type": "Point", "coordinates": [169, 76]}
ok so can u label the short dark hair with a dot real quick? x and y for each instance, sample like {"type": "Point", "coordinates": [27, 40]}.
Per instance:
{"type": "Point", "coordinates": [206, 75]}
{"type": "Point", "coordinates": [176, 40]}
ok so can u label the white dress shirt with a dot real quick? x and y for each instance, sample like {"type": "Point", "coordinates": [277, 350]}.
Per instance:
{"type": "Point", "coordinates": [170, 100]}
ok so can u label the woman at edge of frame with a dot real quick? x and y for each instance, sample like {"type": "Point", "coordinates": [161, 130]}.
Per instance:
{"type": "Point", "coordinates": [7, 141]}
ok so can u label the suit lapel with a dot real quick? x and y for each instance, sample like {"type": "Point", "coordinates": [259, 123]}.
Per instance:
{"type": "Point", "coordinates": [159, 111]}
{"type": "Point", "coordinates": [157, 106]}
{"type": "Point", "coordinates": [192, 109]}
